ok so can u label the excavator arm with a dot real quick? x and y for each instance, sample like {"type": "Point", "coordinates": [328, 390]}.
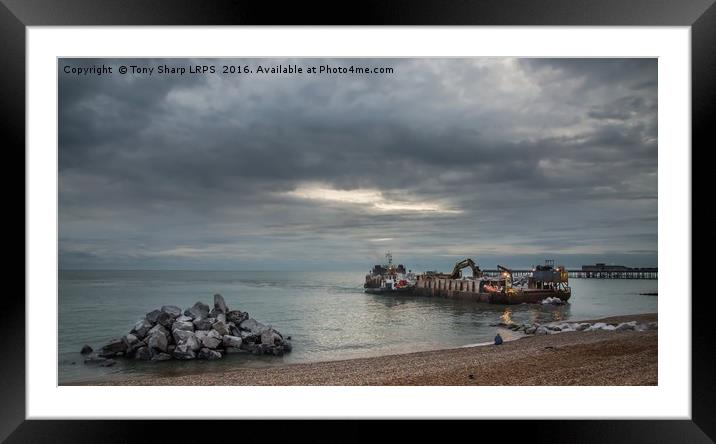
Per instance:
{"type": "Point", "coordinates": [504, 270]}
{"type": "Point", "coordinates": [465, 263]}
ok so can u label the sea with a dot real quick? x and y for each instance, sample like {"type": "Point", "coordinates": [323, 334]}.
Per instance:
{"type": "Point", "coordinates": [326, 314]}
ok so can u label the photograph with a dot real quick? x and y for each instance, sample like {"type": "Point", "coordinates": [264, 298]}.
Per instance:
{"type": "Point", "coordinates": [413, 221]}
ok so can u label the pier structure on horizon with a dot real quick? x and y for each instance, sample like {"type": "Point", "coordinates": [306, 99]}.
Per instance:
{"type": "Point", "coordinates": [596, 271]}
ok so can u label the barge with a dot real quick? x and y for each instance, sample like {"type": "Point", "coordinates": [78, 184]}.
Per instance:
{"type": "Point", "coordinates": [545, 281]}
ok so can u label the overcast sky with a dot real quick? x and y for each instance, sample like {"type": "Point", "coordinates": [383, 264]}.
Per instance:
{"type": "Point", "coordinates": [502, 160]}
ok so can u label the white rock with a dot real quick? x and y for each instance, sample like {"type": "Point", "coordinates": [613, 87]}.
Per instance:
{"type": "Point", "coordinates": [582, 326]}
{"type": "Point", "coordinates": [626, 326]}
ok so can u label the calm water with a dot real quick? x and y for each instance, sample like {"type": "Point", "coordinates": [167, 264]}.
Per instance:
{"type": "Point", "coordinates": [327, 314]}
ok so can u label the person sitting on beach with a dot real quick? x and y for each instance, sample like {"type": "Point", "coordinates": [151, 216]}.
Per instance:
{"type": "Point", "coordinates": [498, 339]}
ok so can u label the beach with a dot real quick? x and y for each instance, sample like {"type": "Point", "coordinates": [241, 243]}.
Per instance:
{"type": "Point", "coordinates": [570, 358]}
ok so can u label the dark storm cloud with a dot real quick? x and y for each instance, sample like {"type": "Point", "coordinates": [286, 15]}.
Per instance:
{"type": "Point", "coordinates": [443, 158]}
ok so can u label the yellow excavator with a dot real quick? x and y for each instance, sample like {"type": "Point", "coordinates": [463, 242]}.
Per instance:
{"type": "Point", "coordinates": [507, 276]}
{"type": "Point", "coordinates": [457, 270]}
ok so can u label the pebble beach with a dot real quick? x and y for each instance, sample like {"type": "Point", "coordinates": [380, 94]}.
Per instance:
{"type": "Point", "coordinates": [568, 358]}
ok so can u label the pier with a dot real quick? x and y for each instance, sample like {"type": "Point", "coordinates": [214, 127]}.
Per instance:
{"type": "Point", "coordinates": [597, 271]}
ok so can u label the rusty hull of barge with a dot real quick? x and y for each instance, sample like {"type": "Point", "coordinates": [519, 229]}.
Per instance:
{"type": "Point", "coordinates": [468, 290]}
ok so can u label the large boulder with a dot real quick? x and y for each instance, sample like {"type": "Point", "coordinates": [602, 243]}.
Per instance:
{"type": "Point", "coordinates": [231, 341]}
{"type": "Point", "coordinates": [152, 316]}
{"type": "Point", "coordinates": [220, 304]}
{"type": "Point", "coordinates": [233, 329]}
{"type": "Point", "coordinates": [132, 342]}
{"type": "Point", "coordinates": [158, 341]}
{"type": "Point", "coordinates": [248, 336]}
{"type": "Point", "coordinates": [271, 337]}
{"type": "Point", "coordinates": [143, 354]}
{"type": "Point", "coordinates": [184, 352]}
{"type": "Point", "coordinates": [141, 328]}
{"type": "Point", "coordinates": [181, 335]}
{"type": "Point", "coordinates": [221, 328]}
{"type": "Point", "coordinates": [203, 323]}
{"type": "Point", "coordinates": [212, 339]}
{"type": "Point", "coordinates": [172, 310]}
{"type": "Point", "coordinates": [198, 311]}
{"type": "Point", "coordinates": [237, 316]}
{"type": "Point", "coordinates": [113, 347]}
{"type": "Point", "coordinates": [253, 326]}
{"type": "Point", "coordinates": [165, 320]}
{"type": "Point", "coordinates": [188, 338]}
{"type": "Point", "coordinates": [86, 349]}
{"type": "Point", "coordinates": [183, 325]}
{"type": "Point", "coordinates": [211, 355]}
{"type": "Point", "coordinates": [159, 329]}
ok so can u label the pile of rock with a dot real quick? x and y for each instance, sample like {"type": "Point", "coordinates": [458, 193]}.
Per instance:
{"type": "Point", "coordinates": [561, 327]}
{"type": "Point", "coordinates": [197, 333]}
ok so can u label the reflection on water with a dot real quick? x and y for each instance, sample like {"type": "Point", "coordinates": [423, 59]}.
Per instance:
{"type": "Point", "coordinates": [327, 314]}
{"type": "Point", "coordinates": [506, 317]}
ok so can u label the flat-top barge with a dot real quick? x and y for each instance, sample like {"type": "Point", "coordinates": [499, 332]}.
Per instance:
{"type": "Point", "coordinates": [545, 281]}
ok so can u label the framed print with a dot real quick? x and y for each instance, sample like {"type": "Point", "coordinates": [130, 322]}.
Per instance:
{"type": "Point", "coordinates": [359, 222]}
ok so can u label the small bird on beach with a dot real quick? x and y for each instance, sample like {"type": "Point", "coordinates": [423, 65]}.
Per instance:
{"type": "Point", "coordinates": [498, 339]}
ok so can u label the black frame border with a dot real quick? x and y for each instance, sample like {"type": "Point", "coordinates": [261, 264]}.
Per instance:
{"type": "Point", "coordinates": [16, 15]}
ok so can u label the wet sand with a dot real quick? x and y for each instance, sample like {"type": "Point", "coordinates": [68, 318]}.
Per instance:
{"type": "Point", "coordinates": [571, 358]}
